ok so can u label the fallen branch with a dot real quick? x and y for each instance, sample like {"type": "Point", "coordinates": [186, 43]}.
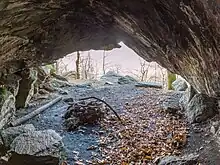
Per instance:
{"type": "Point", "coordinates": [88, 98]}
{"type": "Point", "coordinates": [35, 112]}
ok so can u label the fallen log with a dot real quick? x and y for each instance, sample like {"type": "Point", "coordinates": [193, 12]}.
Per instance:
{"type": "Point", "coordinates": [35, 112]}
{"type": "Point", "coordinates": [88, 98]}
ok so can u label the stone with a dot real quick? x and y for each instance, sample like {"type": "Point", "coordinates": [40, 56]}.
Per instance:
{"type": "Point", "coordinates": [186, 97]}
{"type": "Point", "coordinates": [200, 108]}
{"type": "Point", "coordinates": [127, 80]}
{"type": "Point", "coordinates": [26, 87]}
{"type": "Point", "coordinates": [171, 105]}
{"type": "Point", "coordinates": [214, 127]}
{"type": "Point", "coordinates": [56, 83]}
{"type": "Point", "coordinates": [37, 148]}
{"type": "Point", "coordinates": [179, 85]}
{"type": "Point", "coordinates": [11, 83]}
{"type": "Point", "coordinates": [84, 85]}
{"type": "Point", "coordinates": [9, 134]}
{"type": "Point", "coordinates": [111, 77]}
{"type": "Point", "coordinates": [149, 85]}
{"type": "Point", "coordinates": [184, 160]}
{"type": "Point", "coordinates": [7, 107]}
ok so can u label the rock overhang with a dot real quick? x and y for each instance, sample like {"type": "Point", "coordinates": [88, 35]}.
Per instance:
{"type": "Point", "coordinates": [182, 36]}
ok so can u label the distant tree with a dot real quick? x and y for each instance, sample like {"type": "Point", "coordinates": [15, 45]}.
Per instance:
{"type": "Point", "coordinates": [144, 68]}
{"type": "Point", "coordinates": [78, 65]}
{"type": "Point", "coordinates": [87, 67]}
{"type": "Point", "coordinates": [163, 73]}
{"type": "Point", "coordinates": [104, 61]}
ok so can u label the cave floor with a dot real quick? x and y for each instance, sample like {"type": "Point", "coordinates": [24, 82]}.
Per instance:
{"type": "Point", "coordinates": [145, 133]}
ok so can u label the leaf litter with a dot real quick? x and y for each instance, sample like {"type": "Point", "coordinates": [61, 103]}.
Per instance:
{"type": "Point", "coordinates": [145, 134]}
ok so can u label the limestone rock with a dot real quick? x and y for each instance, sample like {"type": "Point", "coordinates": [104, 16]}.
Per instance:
{"type": "Point", "coordinates": [179, 85]}
{"type": "Point", "coordinates": [7, 107]}
{"type": "Point", "coordinates": [186, 97]}
{"type": "Point", "coordinates": [56, 83]}
{"type": "Point", "coordinates": [9, 134]}
{"type": "Point", "coordinates": [184, 160]}
{"type": "Point", "coordinates": [26, 87]}
{"type": "Point", "coordinates": [37, 148]}
{"type": "Point", "coordinates": [171, 105]}
{"type": "Point", "coordinates": [149, 85]}
{"type": "Point", "coordinates": [200, 108]}
{"type": "Point", "coordinates": [126, 80]}
{"type": "Point", "coordinates": [111, 77]}
{"type": "Point", "coordinates": [11, 82]}
{"type": "Point", "coordinates": [214, 127]}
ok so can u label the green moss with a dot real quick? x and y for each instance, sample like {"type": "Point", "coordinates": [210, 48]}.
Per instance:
{"type": "Point", "coordinates": [170, 79]}
{"type": "Point", "coordinates": [3, 92]}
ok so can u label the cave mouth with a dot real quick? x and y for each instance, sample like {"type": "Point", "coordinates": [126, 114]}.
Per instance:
{"type": "Point", "coordinates": [94, 64]}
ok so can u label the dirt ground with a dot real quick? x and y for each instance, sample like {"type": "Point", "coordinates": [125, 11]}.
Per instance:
{"type": "Point", "coordinates": [145, 133]}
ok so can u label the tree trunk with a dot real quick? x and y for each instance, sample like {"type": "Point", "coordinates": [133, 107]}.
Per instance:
{"type": "Point", "coordinates": [78, 65]}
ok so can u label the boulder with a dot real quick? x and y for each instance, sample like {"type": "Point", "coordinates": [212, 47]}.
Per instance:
{"type": "Point", "coordinates": [11, 83]}
{"type": "Point", "coordinates": [9, 134]}
{"type": "Point", "coordinates": [200, 108]}
{"type": "Point", "coordinates": [149, 85]}
{"type": "Point", "coordinates": [111, 77]}
{"type": "Point", "coordinates": [171, 105]}
{"type": "Point", "coordinates": [37, 148]}
{"type": "Point", "coordinates": [114, 78]}
{"type": "Point", "coordinates": [186, 97]}
{"type": "Point", "coordinates": [179, 85]}
{"type": "Point", "coordinates": [126, 80]}
{"type": "Point", "coordinates": [56, 83]}
{"type": "Point", "coordinates": [184, 160]}
{"type": "Point", "coordinates": [26, 87]}
{"type": "Point", "coordinates": [7, 107]}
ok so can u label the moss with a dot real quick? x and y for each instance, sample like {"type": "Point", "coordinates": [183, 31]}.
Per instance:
{"type": "Point", "coordinates": [170, 79]}
{"type": "Point", "coordinates": [3, 91]}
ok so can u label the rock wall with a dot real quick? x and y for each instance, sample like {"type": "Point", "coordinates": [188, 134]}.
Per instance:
{"type": "Point", "coordinates": [181, 35]}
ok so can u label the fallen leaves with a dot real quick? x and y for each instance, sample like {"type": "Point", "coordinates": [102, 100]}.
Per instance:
{"type": "Point", "coordinates": [145, 133]}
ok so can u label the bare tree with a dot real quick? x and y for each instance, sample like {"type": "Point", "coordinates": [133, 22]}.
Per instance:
{"type": "Point", "coordinates": [78, 65]}
{"type": "Point", "coordinates": [104, 61]}
{"type": "Point", "coordinates": [87, 67]}
{"type": "Point", "coordinates": [163, 73]}
{"type": "Point", "coordinates": [144, 69]}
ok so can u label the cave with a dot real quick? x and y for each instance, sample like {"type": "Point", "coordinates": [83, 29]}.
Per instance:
{"type": "Point", "coordinates": [182, 36]}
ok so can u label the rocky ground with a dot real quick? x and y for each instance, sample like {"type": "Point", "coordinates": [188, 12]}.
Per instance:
{"type": "Point", "coordinates": [146, 133]}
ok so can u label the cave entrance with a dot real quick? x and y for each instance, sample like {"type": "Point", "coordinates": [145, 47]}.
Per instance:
{"type": "Point", "coordinates": [123, 61]}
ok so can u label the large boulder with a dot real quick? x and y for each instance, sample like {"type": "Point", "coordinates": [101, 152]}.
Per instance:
{"type": "Point", "coordinates": [126, 80]}
{"type": "Point", "coordinates": [175, 160]}
{"type": "Point", "coordinates": [37, 148]}
{"type": "Point", "coordinates": [11, 83]}
{"type": "Point", "coordinates": [186, 97]}
{"type": "Point", "coordinates": [111, 77]}
{"type": "Point", "coordinates": [200, 108]}
{"type": "Point", "coordinates": [9, 134]}
{"type": "Point", "coordinates": [7, 106]}
{"type": "Point", "coordinates": [171, 103]}
{"type": "Point", "coordinates": [179, 85]}
{"type": "Point", "coordinates": [26, 87]}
